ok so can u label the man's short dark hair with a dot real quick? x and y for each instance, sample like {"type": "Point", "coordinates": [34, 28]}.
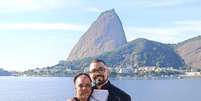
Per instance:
{"type": "Point", "coordinates": [80, 74]}
{"type": "Point", "coordinates": [98, 60]}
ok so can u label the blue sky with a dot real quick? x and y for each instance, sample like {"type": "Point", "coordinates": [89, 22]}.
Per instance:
{"type": "Point", "coordinates": [39, 33]}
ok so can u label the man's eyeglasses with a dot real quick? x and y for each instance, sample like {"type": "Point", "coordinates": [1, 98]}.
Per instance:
{"type": "Point", "coordinates": [99, 70]}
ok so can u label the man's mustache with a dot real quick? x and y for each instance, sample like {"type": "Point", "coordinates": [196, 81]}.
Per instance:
{"type": "Point", "coordinates": [95, 77]}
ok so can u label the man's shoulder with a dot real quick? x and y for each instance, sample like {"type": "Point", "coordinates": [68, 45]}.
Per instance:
{"type": "Point", "coordinates": [119, 92]}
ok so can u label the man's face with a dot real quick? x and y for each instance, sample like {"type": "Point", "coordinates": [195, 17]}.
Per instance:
{"type": "Point", "coordinates": [83, 87]}
{"type": "Point", "coordinates": [98, 72]}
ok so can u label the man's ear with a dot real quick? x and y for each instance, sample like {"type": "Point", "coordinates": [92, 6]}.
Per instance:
{"type": "Point", "coordinates": [108, 71]}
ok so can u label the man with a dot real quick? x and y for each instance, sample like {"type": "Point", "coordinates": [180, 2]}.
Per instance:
{"type": "Point", "coordinates": [83, 87]}
{"type": "Point", "coordinates": [99, 74]}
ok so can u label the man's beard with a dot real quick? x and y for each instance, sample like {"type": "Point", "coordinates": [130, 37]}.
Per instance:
{"type": "Point", "coordinates": [99, 80]}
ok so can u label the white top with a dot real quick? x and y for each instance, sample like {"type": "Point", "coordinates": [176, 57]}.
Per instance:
{"type": "Point", "coordinates": [99, 95]}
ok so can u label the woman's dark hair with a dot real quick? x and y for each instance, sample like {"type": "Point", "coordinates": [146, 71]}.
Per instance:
{"type": "Point", "coordinates": [80, 74]}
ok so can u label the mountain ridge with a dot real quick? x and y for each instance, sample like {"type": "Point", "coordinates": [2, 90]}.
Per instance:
{"type": "Point", "coordinates": [137, 53]}
{"type": "Point", "coordinates": [190, 51]}
{"type": "Point", "coordinates": [145, 50]}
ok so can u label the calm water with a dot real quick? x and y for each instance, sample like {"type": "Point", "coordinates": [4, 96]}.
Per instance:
{"type": "Point", "coordinates": [61, 88]}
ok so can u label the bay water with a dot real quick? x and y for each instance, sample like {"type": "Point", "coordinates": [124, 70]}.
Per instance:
{"type": "Point", "coordinates": [61, 88]}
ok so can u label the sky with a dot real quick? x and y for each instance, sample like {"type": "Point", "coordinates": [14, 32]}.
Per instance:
{"type": "Point", "coordinates": [40, 33]}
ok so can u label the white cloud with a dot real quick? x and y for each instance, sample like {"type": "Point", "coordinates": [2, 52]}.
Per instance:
{"type": "Point", "coordinates": [189, 22]}
{"type": "Point", "coordinates": [94, 9]}
{"type": "Point", "coordinates": [43, 26]}
{"type": "Point", "coordinates": [7, 6]}
{"type": "Point", "coordinates": [160, 3]}
{"type": "Point", "coordinates": [182, 30]}
{"type": "Point", "coordinates": [189, 26]}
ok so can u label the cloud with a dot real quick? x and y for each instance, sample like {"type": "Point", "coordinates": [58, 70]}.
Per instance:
{"type": "Point", "coordinates": [189, 26]}
{"type": "Point", "coordinates": [10, 6]}
{"type": "Point", "coordinates": [160, 3]}
{"type": "Point", "coordinates": [94, 9]}
{"type": "Point", "coordinates": [189, 22]}
{"type": "Point", "coordinates": [42, 26]}
{"type": "Point", "coordinates": [182, 30]}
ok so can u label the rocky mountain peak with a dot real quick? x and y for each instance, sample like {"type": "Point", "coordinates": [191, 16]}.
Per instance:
{"type": "Point", "coordinates": [104, 35]}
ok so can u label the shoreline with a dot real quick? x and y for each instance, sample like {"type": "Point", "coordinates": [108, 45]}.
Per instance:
{"type": "Point", "coordinates": [119, 78]}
